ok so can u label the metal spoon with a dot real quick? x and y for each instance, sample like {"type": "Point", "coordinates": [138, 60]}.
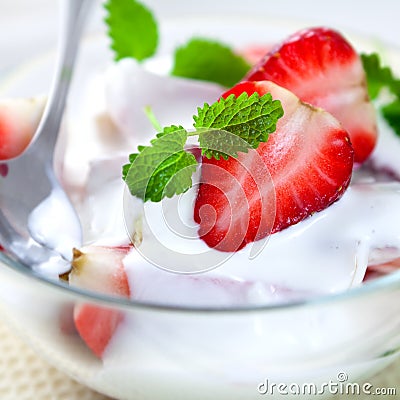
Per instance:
{"type": "Point", "coordinates": [37, 221]}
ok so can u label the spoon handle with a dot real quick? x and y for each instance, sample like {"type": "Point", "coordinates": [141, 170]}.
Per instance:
{"type": "Point", "coordinates": [73, 18]}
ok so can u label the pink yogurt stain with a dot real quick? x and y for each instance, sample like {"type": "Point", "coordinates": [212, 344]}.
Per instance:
{"type": "Point", "coordinates": [3, 170]}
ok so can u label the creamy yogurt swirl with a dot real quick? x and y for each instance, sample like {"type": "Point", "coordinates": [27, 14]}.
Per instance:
{"type": "Point", "coordinates": [326, 253]}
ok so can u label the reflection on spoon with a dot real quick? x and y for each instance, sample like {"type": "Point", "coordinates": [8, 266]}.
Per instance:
{"type": "Point", "coordinates": [46, 219]}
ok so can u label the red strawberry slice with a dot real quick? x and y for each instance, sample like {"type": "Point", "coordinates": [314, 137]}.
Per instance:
{"type": "Point", "coordinates": [100, 269]}
{"type": "Point", "coordinates": [310, 160]}
{"type": "Point", "coordinates": [378, 270]}
{"type": "Point", "coordinates": [96, 326]}
{"type": "Point", "coordinates": [321, 67]}
{"type": "Point", "coordinates": [19, 119]}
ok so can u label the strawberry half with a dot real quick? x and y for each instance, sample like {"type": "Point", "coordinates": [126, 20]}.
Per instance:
{"type": "Point", "coordinates": [309, 158]}
{"type": "Point", "coordinates": [19, 119]}
{"type": "Point", "coordinates": [100, 269]}
{"type": "Point", "coordinates": [321, 67]}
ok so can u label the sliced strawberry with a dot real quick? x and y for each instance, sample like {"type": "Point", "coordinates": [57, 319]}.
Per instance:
{"type": "Point", "coordinates": [100, 269]}
{"type": "Point", "coordinates": [19, 119]}
{"type": "Point", "coordinates": [321, 67]}
{"type": "Point", "coordinates": [378, 270]}
{"type": "Point", "coordinates": [310, 161]}
{"type": "Point", "coordinates": [96, 325]}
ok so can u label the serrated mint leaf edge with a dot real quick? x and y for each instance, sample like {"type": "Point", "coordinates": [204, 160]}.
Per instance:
{"type": "Point", "coordinates": [112, 31]}
{"type": "Point", "coordinates": [161, 155]}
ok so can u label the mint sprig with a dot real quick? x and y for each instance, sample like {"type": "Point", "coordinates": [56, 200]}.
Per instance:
{"type": "Point", "coordinates": [209, 60]}
{"type": "Point", "coordinates": [132, 28]}
{"type": "Point", "coordinates": [381, 77]}
{"type": "Point", "coordinates": [251, 118]}
{"type": "Point", "coordinates": [225, 128]}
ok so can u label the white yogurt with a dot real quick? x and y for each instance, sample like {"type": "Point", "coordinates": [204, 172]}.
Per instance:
{"type": "Point", "coordinates": [328, 252]}
{"type": "Point", "coordinates": [54, 224]}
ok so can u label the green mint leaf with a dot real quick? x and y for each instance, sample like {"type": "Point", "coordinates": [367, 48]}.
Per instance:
{"type": "Point", "coordinates": [162, 169]}
{"type": "Point", "coordinates": [132, 29]}
{"type": "Point", "coordinates": [251, 118]}
{"type": "Point", "coordinates": [170, 129]}
{"type": "Point", "coordinates": [225, 128]}
{"type": "Point", "coordinates": [391, 113]}
{"type": "Point", "coordinates": [379, 76]}
{"type": "Point", "coordinates": [219, 143]}
{"type": "Point", "coordinates": [208, 60]}
{"type": "Point", "coordinates": [125, 170]}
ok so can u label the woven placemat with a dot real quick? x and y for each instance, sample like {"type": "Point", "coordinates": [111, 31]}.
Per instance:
{"type": "Point", "coordinates": [24, 376]}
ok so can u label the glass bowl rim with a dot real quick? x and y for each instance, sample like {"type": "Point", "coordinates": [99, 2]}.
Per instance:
{"type": "Point", "coordinates": [390, 281]}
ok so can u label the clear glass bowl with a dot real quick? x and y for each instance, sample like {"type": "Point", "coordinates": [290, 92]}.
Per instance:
{"type": "Point", "coordinates": [177, 352]}
{"type": "Point", "coordinates": [202, 353]}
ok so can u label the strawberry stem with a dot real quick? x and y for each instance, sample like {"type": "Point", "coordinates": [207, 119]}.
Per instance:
{"type": "Point", "coordinates": [152, 118]}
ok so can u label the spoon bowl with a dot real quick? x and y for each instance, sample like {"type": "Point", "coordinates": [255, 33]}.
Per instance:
{"type": "Point", "coordinates": [37, 221]}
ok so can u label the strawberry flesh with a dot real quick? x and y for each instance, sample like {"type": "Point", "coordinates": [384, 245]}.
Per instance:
{"type": "Point", "coordinates": [306, 166]}
{"type": "Point", "coordinates": [96, 326]}
{"type": "Point", "coordinates": [321, 67]}
{"type": "Point", "coordinates": [100, 269]}
{"type": "Point", "coordinates": [19, 119]}
{"type": "Point", "coordinates": [379, 270]}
